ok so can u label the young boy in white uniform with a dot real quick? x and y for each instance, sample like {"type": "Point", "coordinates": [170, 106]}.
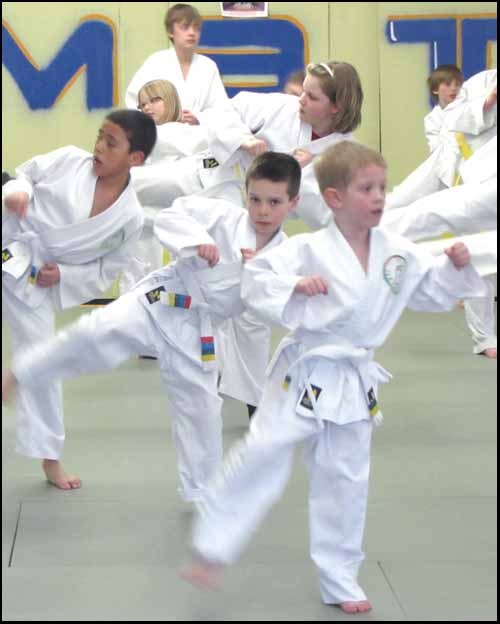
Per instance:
{"type": "Point", "coordinates": [444, 86]}
{"type": "Point", "coordinates": [195, 76]}
{"type": "Point", "coordinates": [176, 310]}
{"type": "Point", "coordinates": [469, 122]}
{"type": "Point", "coordinates": [70, 224]}
{"type": "Point", "coordinates": [340, 291]}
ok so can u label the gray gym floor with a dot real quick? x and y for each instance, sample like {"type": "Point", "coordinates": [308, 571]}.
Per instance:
{"type": "Point", "coordinates": [112, 550]}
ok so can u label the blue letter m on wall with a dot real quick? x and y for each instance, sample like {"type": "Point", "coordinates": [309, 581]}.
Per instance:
{"type": "Point", "coordinates": [91, 47]}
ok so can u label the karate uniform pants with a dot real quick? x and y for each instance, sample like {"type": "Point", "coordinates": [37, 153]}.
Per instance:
{"type": "Point", "coordinates": [423, 181]}
{"type": "Point", "coordinates": [480, 317]}
{"type": "Point", "coordinates": [464, 209]}
{"type": "Point", "coordinates": [254, 476]}
{"type": "Point", "coordinates": [105, 338]}
{"type": "Point", "coordinates": [39, 409]}
{"type": "Point", "coordinates": [162, 182]}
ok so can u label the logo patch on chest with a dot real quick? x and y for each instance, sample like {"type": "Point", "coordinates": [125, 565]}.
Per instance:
{"type": "Point", "coordinates": [394, 272]}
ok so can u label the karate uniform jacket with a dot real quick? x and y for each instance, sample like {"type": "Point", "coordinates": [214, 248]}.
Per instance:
{"type": "Point", "coordinates": [333, 337]}
{"type": "Point", "coordinates": [90, 252]}
{"type": "Point", "coordinates": [201, 89]}
{"type": "Point", "coordinates": [274, 118]}
{"type": "Point", "coordinates": [187, 299]}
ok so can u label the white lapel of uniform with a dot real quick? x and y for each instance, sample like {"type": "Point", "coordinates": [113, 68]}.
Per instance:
{"type": "Point", "coordinates": [246, 236]}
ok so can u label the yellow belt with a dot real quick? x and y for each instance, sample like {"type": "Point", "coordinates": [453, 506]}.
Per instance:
{"type": "Point", "coordinates": [465, 152]}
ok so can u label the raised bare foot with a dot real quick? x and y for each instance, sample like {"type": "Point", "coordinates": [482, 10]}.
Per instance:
{"type": "Point", "coordinates": [203, 574]}
{"type": "Point", "coordinates": [9, 386]}
{"type": "Point", "coordinates": [356, 607]}
{"type": "Point", "coordinates": [491, 353]}
{"type": "Point", "coordinates": [57, 476]}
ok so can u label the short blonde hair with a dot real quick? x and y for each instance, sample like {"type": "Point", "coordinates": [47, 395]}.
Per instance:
{"type": "Point", "coordinates": [168, 93]}
{"type": "Point", "coordinates": [342, 85]}
{"type": "Point", "coordinates": [338, 164]}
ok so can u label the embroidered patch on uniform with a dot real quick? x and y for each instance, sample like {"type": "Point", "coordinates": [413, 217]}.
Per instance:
{"type": "Point", "coordinates": [210, 163]}
{"type": "Point", "coordinates": [306, 401]}
{"type": "Point", "coordinates": [32, 275]}
{"type": "Point", "coordinates": [179, 301]}
{"type": "Point", "coordinates": [286, 382]}
{"type": "Point", "coordinates": [6, 255]}
{"type": "Point", "coordinates": [394, 272]}
{"type": "Point", "coordinates": [372, 402]}
{"type": "Point", "coordinates": [207, 348]}
{"type": "Point", "coordinates": [153, 296]}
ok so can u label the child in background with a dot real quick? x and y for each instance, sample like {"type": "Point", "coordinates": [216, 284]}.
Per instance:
{"type": "Point", "coordinates": [294, 83]}
{"type": "Point", "coordinates": [175, 310]}
{"type": "Point", "coordinates": [340, 291]}
{"type": "Point", "coordinates": [71, 223]}
{"type": "Point", "coordinates": [444, 85]}
{"type": "Point", "coordinates": [177, 144]}
{"type": "Point", "coordinates": [195, 76]}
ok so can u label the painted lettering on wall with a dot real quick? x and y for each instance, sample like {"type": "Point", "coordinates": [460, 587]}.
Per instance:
{"type": "Point", "coordinates": [255, 54]}
{"type": "Point", "coordinates": [91, 48]}
{"type": "Point", "coordinates": [462, 40]}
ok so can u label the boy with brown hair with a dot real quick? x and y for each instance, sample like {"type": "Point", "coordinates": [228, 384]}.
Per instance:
{"type": "Point", "coordinates": [444, 85]}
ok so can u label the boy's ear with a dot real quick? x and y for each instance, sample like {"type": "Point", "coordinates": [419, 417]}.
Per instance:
{"type": "Point", "coordinates": [332, 197]}
{"type": "Point", "coordinates": [293, 203]}
{"type": "Point", "coordinates": [136, 158]}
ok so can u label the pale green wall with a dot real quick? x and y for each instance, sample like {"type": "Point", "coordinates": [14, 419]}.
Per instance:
{"type": "Point", "coordinates": [393, 76]}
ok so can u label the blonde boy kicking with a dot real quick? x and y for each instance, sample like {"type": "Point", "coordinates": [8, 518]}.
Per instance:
{"type": "Point", "coordinates": [339, 291]}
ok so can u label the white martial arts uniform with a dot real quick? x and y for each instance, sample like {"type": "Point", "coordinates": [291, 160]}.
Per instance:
{"type": "Point", "coordinates": [433, 123]}
{"type": "Point", "coordinates": [174, 311]}
{"type": "Point", "coordinates": [322, 388]}
{"type": "Point", "coordinates": [274, 118]}
{"type": "Point", "coordinates": [201, 89]}
{"type": "Point", "coordinates": [90, 252]}
{"type": "Point", "coordinates": [465, 118]}
{"type": "Point", "coordinates": [469, 208]}
{"type": "Point", "coordinates": [165, 175]}
{"type": "Point", "coordinates": [479, 312]}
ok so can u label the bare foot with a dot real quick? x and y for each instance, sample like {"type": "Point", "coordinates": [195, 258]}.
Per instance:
{"type": "Point", "coordinates": [203, 574]}
{"type": "Point", "coordinates": [491, 353]}
{"type": "Point", "coordinates": [56, 475]}
{"type": "Point", "coordinates": [356, 607]}
{"type": "Point", "coordinates": [9, 386]}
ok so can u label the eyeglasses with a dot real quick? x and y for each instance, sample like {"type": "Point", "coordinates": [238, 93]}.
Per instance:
{"type": "Point", "coordinates": [153, 100]}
